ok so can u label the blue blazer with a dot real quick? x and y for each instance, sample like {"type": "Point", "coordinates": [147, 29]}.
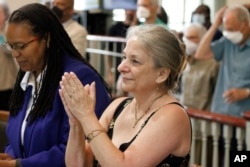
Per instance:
{"type": "Point", "coordinates": [45, 140]}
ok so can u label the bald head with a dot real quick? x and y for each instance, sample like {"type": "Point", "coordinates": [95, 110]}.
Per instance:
{"type": "Point", "coordinates": [64, 3]}
{"type": "Point", "coordinates": [238, 12]}
{"type": "Point", "coordinates": [236, 23]}
{"type": "Point", "coordinates": [66, 7]}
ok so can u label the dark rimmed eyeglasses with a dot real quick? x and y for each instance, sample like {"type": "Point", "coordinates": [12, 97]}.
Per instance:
{"type": "Point", "coordinates": [18, 47]}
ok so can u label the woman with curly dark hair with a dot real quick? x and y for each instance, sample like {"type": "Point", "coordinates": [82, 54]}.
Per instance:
{"type": "Point", "coordinates": [38, 125]}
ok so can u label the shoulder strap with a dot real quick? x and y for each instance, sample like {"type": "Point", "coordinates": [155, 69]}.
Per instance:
{"type": "Point", "coordinates": [117, 112]}
{"type": "Point", "coordinates": [146, 121]}
{"type": "Point", "coordinates": [121, 106]}
{"type": "Point", "coordinates": [177, 104]}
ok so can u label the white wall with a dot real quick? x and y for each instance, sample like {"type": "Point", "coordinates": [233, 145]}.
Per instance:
{"type": "Point", "coordinates": [14, 4]}
{"type": "Point", "coordinates": [238, 1]}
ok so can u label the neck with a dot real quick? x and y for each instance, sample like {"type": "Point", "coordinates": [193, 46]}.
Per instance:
{"type": "Point", "coordinates": [151, 20]}
{"type": "Point", "coordinates": [147, 103]}
{"type": "Point", "coordinates": [140, 114]}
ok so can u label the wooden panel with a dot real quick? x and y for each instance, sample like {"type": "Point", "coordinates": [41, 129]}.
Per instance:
{"type": "Point", "coordinates": [4, 115]}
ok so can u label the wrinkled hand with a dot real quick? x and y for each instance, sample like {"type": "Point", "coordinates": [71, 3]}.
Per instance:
{"type": "Point", "coordinates": [219, 16]}
{"type": "Point", "coordinates": [78, 100]}
{"type": "Point", "coordinates": [234, 95]}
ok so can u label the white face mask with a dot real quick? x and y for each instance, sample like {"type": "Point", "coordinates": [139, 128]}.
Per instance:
{"type": "Point", "coordinates": [191, 47]}
{"type": "Point", "coordinates": [198, 18]}
{"type": "Point", "coordinates": [142, 12]}
{"type": "Point", "coordinates": [234, 36]}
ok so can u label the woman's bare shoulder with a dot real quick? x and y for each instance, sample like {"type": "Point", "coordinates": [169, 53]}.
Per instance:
{"type": "Point", "coordinates": [109, 111]}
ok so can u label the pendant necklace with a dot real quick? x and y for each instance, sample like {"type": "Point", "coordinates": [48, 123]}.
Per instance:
{"type": "Point", "coordinates": [136, 117]}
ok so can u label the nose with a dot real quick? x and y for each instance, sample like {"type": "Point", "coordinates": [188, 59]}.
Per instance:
{"type": "Point", "coordinates": [123, 66]}
{"type": "Point", "coordinates": [15, 53]}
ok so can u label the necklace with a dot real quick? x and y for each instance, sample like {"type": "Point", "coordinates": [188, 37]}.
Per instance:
{"type": "Point", "coordinates": [136, 117]}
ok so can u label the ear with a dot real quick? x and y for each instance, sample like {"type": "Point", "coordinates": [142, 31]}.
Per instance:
{"type": "Point", "coordinates": [162, 75]}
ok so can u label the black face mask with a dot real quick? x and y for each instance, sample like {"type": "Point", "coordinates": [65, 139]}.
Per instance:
{"type": "Point", "coordinates": [58, 12]}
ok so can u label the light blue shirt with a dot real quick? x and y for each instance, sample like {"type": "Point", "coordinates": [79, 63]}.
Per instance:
{"type": "Point", "coordinates": [234, 72]}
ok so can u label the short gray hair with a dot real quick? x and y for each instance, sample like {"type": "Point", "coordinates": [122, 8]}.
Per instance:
{"type": "Point", "coordinates": [198, 27]}
{"type": "Point", "coordinates": [240, 11]}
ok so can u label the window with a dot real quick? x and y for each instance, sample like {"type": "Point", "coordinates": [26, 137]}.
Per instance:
{"type": "Point", "coordinates": [179, 12]}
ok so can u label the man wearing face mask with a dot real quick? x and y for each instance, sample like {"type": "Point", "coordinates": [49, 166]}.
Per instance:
{"type": "Point", "coordinates": [147, 12]}
{"type": "Point", "coordinates": [199, 78]}
{"type": "Point", "coordinates": [232, 92]}
{"type": "Point", "coordinates": [201, 15]}
{"type": "Point", "coordinates": [64, 9]}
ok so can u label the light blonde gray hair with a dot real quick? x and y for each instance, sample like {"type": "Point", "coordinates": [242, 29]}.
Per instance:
{"type": "Point", "coordinates": [165, 49]}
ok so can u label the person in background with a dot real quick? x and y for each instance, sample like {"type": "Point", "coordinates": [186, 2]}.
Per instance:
{"type": "Point", "coordinates": [64, 9]}
{"type": "Point", "coordinates": [147, 11]}
{"type": "Point", "coordinates": [8, 66]}
{"type": "Point", "coordinates": [38, 126]}
{"type": "Point", "coordinates": [232, 91]}
{"type": "Point", "coordinates": [199, 78]}
{"type": "Point", "coordinates": [119, 29]}
{"type": "Point", "coordinates": [129, 127]}
{"type": "Point", "coordinates": [201, 15]}
{"type": "Point", "coordinates": [247, 5]}
{"type": "Point", "coordinates": [162, 14]}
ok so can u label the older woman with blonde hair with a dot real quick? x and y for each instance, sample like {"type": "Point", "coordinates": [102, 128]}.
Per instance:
{"type": "Point", "coordinates": [149, 129]}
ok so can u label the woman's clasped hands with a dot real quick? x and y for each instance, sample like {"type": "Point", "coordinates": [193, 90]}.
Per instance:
{"type": "Point", "coordinates": [6, 160]}
{"type": "Point", "coordinates": [79, 100]}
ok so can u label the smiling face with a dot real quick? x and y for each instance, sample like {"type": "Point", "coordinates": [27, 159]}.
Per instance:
{"type": "Point", "coordinates": [137, 68]}
{"type": "Point", "coordinates": [30, 57]}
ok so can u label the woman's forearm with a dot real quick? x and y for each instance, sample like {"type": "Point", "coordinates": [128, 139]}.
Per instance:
{"type": "Point", "coordinates": [75, 151]}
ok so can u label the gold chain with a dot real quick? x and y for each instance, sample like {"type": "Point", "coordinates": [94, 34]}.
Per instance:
{"type": "Point", "coordinates": [136, 117]}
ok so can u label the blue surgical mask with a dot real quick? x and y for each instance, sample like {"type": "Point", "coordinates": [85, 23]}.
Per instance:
{"type": "Point", "coordinates": [198, 18]}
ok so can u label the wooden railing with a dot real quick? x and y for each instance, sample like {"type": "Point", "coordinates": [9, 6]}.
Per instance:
{"type": "Point", "coordinates": [207, 124]}
{"type": "Point", "coordinates": [246, 116]}
{"type": "Point", "coordinates": [4, 115]}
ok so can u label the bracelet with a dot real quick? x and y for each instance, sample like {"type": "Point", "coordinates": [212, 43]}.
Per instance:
{"type": "Point", "coordinates": [18, 163]}
{"type": "Point", "coordinates": [93, 134]}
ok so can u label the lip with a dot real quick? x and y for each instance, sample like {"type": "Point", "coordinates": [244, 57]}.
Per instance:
{"type": "Point", "coordinates": [21, 63]}
{"type": "Point", "coordinates": [126, 79]}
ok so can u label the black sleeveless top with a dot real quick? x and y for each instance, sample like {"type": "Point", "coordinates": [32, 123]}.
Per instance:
{"type": "Point", "coordinates": [170, 161]}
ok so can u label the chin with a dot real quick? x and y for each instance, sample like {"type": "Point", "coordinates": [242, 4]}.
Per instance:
{"type": "Point", "coordinates": [24, 69]}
